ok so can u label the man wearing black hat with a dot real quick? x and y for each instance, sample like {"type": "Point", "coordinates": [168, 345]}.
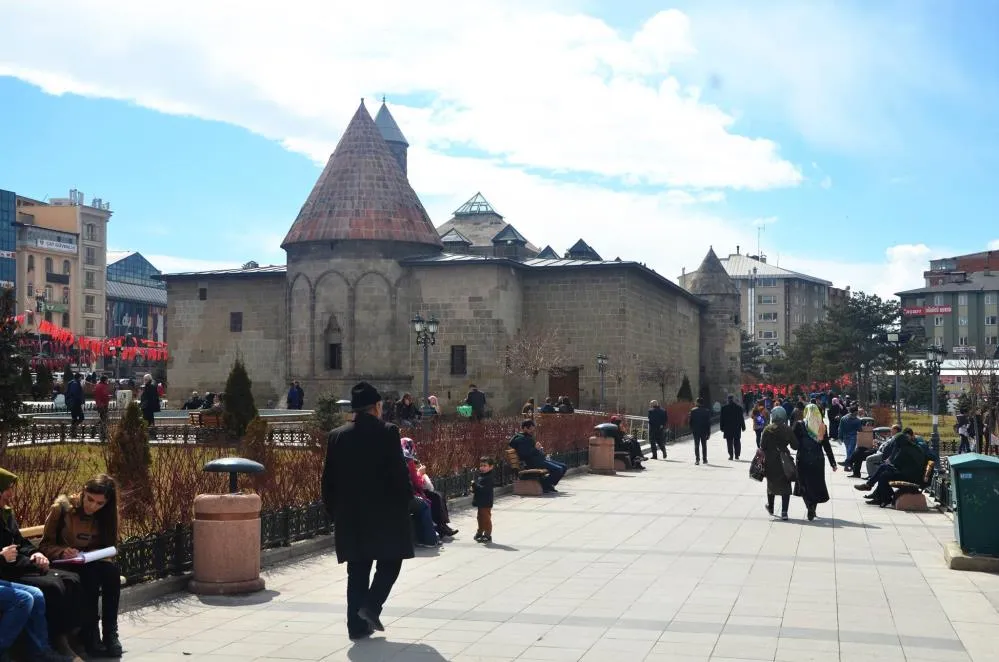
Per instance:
{"type": "Point", "coordinates": [367, 493]}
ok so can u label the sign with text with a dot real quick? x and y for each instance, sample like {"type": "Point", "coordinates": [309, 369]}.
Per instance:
{"type": "Point", "coordinates": [60, 246]}
{"type": "Point", "coordinates": [927, 310]}
{"type": "Point", "coordinates": [10, 255]}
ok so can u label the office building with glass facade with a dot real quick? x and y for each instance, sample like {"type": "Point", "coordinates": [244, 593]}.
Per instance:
{"type": "Point", "coordinates": [136, 303]}
{"type": "Point", "coordinates": [8, 239]}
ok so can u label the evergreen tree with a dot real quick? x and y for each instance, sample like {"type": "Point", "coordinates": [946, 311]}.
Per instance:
{"type": "Point", "coordinates": [67, 376]}
{"type": "Point", "coordinates": [750, 354]}
{"type": "Point", "coordinates": [685, 394]}
{"type": "Point", "coordinates": [11, 364]}
{"type": "Point", "coordinates": [327, 412]}
{"type": "Point", "coordinates": [255, 447]}
{"type": "Point", "coordinates": [129, 459]}
{"type": "Point", "coordinates": [43, 383]}
{"type": "Point", "coordinates": [27, 383]}
{"type": "Point", "coordinates": [239, 408]}
{"type": "Point", "coordinates": [705, 393]}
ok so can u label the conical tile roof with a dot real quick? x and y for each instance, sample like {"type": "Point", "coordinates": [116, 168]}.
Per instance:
{"type": "Point", "coordinates": [362, 194]}
{"type": "Point", "coordinates": [386, 125]}
{"type": "Point", "coordinates": [711, 277]}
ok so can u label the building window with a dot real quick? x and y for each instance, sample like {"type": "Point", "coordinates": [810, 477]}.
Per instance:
{"type": "Point", "coordinates": [766, 282]}
{"type": "Point", "coordinates": [65, 295]}
{"type": "Point", "coordinates": [65, 320]}
{"type": "Point", "coordinates": [962, 299]}
{"type": "Point", "coordinates": [90, 280]}
{"type": "Point", "coordinates": [962, 341]}
{"type": "Point", "coordinates": [335, 357]}
{"type": "Point", "coordinates": [767, 335]}
{"type": "Point", "coordinates": [48, 293]}
{"type": "Point", "coordinates": [766, 299]}
{"type": "Point", "coordinates": [236, 322]}
{"type": "Point", "coordinates": [770, 317]}
{"type": "Point", "coordinates": [937, 299]}
{"type": "Point", "coordinates": [816, 303]}
{"type": "Point", "coordinates": [459, 360]}
{"type": "Point", "coordinates": [990, 320]}
{"type": "Point", "coordinates": [990, 299]}
{"type": "Point", "coordinates": [938, 320]}
{"type": "Point", "coordinates": [91, 255]}
{"type": "Point", "coordinates": [89, 328]}
{"type": "Point", "coordinates": [31, 289]}
{"type": "Point", "coordinates": [88, 304]}
{"type": "Point", "coordinates": [202, 293]}
{"type": "Point", "coordinates": [31, 263]}
{"type": "Point", "coordinates": [962, 321]}
{"type": "Point", "coordinates": [48, 265]}
{"type": "Point", "coordinates": [992, 340]}
{"type": "Point", "coordinates": [65, 267]}
{"type": "Point", "coordinates": [91, 232]}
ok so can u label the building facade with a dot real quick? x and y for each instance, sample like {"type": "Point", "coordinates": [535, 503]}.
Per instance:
{"type": "Point", "coordinates": [136, 300]}
{"type": "Point", "coordinates": [774, 302]}
{"type": "Point", "coordinates": [363, 259]}
{"type": "Point", "coordinates": [61, 246]}
{"type": "Point", "coordinates": [8, 241]}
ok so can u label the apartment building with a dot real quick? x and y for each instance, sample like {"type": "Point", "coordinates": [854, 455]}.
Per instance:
{"type": "Point", "coordinates": [775, 302]}
{"type": "Point", "coordinates": [958, 306]}
{"type": "Point", "coordinates": [61, 256]}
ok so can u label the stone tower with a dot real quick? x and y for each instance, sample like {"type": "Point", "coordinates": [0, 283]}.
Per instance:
{"type": "Point", "coordinates": [720, 340]}
{"type": "Point", "coordinates": [348, 304]}
{"type": "Point", "coordinates": [392, 134]}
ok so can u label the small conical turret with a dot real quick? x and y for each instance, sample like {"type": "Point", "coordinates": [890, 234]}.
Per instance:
{"type": "Point", "coordinates": [392, 134]}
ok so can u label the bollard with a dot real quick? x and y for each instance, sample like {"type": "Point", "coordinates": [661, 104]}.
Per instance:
{"type": "Point", "coordinates": [227, 535]}
{"type": "Point", "coordinates": [602, 450]}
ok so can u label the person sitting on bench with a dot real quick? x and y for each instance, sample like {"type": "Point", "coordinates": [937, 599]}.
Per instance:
{"type": "Point", "coordinates": [532, 457]}
{"type": "Point", "coordinates": [859, 457]}
{"type": "Point", "coordinates": [627, 444]}
{"type": "Point", "coordinates": [907, 463]}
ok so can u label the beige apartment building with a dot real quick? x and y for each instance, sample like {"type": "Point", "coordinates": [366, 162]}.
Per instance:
{"type": "Point", "coordinates": [775, 302]}
{"type": "Point", "coordinates": [61, 261]}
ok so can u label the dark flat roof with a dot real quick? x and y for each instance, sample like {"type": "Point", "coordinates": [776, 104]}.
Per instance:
{"type": "Point", "coordinates": [269, 270]}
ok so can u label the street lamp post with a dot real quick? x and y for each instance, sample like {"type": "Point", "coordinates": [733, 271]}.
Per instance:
{"type": "Point", "coordinates": [897, 339]}
{"type": "Point", "coordinates": [426, 335]}
{"type": "Point", "coordinates": [934, 361]}
{"type": "Point", "coordinates": [602, 369]}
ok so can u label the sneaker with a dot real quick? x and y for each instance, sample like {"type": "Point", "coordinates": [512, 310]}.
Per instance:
{"type": "Point", "coordinates": [478, 536]}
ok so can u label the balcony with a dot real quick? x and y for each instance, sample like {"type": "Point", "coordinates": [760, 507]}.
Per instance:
{"type": "Point", "coordinates": [59, 279]}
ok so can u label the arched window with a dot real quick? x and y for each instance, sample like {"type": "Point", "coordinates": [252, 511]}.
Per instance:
{"type": "Point", "coordinates": [48, 265]}
{"type": "Point", "coordinates": [65, 320]}
{"type": "Point", "coordinates": [334, 345]}
{"type": "Point", "coordinates": [31, 263]}
{"type": "Point", "coordinates": [65, 267]}
{"type": "Point", "coordinates": [65, 295]}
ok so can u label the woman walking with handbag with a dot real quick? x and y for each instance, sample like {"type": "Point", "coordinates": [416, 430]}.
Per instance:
{"type": "Point", "coordinates": [813, 441]}
{"type": "Point", "coordinates": [774, 442]}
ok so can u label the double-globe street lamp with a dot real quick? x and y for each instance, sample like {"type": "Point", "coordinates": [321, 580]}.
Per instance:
{"type": "Point", "coordinates": [602, 369]}
{"type": "Point", "coordinates": [934, 361]}
{"type": "Point", "coordinates": [897, 339]}
{"type": "Point", "coordinates": [426, 335]}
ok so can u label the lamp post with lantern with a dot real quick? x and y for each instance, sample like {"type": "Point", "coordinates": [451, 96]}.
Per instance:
{"type": "Point", "coordinates": [426, 335]}
{"type": "Point", "coordinates": [934, 361]}
{"type": "Point", "coordinates": [602, 361]}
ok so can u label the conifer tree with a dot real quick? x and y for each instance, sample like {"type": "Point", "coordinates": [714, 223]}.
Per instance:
{"type": "Point", "coordinates": [129, 460]}
{"type": "Point", "coordinates": [685, 394]}
{"type": "Point", "coordinates": [11, 364]}
{"type": "Point", "coordinates": [239, 408]}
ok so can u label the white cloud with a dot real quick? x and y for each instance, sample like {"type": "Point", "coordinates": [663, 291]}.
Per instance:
{"type": "Point", "coordinates": [826, 182]}
{"type": "Point", "coordinates": [170, 264]}
{"type": "Point", "coordinates": [994, 245]}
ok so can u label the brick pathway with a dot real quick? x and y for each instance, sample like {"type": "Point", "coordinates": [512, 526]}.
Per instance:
{"type": "Point", "coordinates": [680, 563]}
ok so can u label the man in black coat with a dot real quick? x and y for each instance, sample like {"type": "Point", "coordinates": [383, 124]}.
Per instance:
{"type": "Point", "coordinates": [367, 492]}
{"type": "Point", "coordinates": [733, 423]}
{"type": "Point", "coordinates": [657, 428]}
{"type": "Point", "coordinates": [700, 428]}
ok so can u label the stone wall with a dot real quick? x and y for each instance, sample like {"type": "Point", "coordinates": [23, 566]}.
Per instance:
{"type": "Point", "coordinates": [720, 347]}
{"type": "Point", "coordinates": [202, 347]}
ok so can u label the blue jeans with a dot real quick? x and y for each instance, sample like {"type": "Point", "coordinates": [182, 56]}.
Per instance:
{"type": "Point", "coordinates": [22, 608]}
{"type": "Point", "coordinates": [850, 445]}
{"type": "Point", "coordinates": [425, 533]}
{"type": "Point", "coordinates": [555, 472]}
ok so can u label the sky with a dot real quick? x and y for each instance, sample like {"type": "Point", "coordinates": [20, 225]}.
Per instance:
{"type": "Point", "coordinates": [848, 140]}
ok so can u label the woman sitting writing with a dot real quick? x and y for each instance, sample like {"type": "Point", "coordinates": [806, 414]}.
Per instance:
{"type": "Point", "coordinates": [84, 523]}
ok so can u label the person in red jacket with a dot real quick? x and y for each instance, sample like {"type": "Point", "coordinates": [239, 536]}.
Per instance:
{"type": "Point", "coordinates": [102, 398]}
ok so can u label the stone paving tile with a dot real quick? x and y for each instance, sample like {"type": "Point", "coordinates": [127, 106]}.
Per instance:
{"type": "Point", "coordinates": [676, 564]}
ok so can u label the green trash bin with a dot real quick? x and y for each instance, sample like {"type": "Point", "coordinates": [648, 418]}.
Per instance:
{"type": "Point", "coordinates": [974, 480]}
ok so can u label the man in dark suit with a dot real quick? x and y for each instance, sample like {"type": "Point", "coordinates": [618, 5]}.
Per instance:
{"type": "Point", "coordinates": [700, 428]}
{"type": "Point", "coordinates": [367, 492]}
{"type": "Point", "coordinates": [732, 423]}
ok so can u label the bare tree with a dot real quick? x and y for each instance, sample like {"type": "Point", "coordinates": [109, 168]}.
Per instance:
{"type": "Point", "coordinates": [661, 373]}
{"type": "Point", "coordinates": [534, 351]}
{"type": "Point", "coordinates": [977, 372]}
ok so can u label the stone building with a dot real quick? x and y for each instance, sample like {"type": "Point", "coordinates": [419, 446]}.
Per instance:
{"type": "Point", "coordinates": [363, 258]}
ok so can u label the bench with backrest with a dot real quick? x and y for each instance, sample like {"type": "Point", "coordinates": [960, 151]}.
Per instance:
{"type": "Point", "coordinates": [34, 534]}
{"type": "Point", "coordinates": [909, 496]}
{"type": "Point", "coordinates": [205, 419]}
{"type": "Point", "coordinates": [527, 481]}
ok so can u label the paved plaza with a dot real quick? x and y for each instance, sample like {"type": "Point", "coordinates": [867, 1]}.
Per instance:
{"type": "Point", "coordinates": [676, 564]}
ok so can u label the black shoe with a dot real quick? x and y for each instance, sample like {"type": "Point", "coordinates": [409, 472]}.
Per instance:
{"type": "Point", "coordinates": [783, 517]}
{"type": "Point", "coordinates": [112, 645]}
{"type": "Point", "coordinates": [478, 536]}
{"type": "Point", "coordinates": [371, 618]}
{"type": "Point", "coordinates": [730, 458]}
{"type": "Point", "coordinates": [696, 462]}
{"type": "Point", "coordinates": [811, 515]}
{"type": "Point", "coordinates": [770, 509]}
{"type": "Point", "coordinates": [91, 641]}
{"type": "Point", "coordinates": [860, 487]}
{"type": "Point", "coordinates": [364, 634]}
{"type": "Point", "coordinates": [485, 540]}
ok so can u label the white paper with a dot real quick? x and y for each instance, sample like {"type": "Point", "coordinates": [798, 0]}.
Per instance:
{"type": "Point", "coordinates": [87, 557]}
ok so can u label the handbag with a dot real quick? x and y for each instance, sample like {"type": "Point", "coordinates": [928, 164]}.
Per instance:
{"type": "Point", "coordinates": [758, 467]}
{"type": "Point", "coordinates": [787, 464]}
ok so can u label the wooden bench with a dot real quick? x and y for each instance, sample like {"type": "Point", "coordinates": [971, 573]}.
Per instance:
{"type": "Point", "coordinates": [909, 497]}
{"type": "Point", "coordinates": [622, 461]}
{"type": "Point", "coordinates": [34, 534]}
{"type": "Point", "coordinates": [528, 481]}
{"type": "Point", "coordinates": [205, 419]}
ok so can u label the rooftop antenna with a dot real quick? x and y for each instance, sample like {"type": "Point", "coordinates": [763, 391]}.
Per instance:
{"type": "Point", "coordinates": [759, 232]}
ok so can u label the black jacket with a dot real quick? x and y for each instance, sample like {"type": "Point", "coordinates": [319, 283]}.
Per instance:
{"type": "Point", "coordinates": [10, 534]}
{"type": "Point", "coordinates": [732, 420]}
{"type": "Point", "coordinates": [482, 490]}
{"type": "Point", "coordinates": [529, 455]}
{"type": "Point", "coordinates": [700, 421]}
{"type": "Point", "coordinates": [367, 491]}
{"type": "Point", "coordinates": [149, 399]}
{"type": "Point", "coordinates": [657, 418]}
{"type": "Point", "coordinates": [477, 400]}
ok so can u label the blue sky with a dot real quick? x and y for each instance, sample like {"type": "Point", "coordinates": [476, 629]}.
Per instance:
{"type": "Point", "coordinates": [863, 139]}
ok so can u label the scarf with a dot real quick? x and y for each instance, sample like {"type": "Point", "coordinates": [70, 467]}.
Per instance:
{"type": "Point", "coordinates": [778, 416]}
{"type": "Point", "coordinates": [813, 421]}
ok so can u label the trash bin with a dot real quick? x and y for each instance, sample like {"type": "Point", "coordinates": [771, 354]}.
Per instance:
{"type": "Point", "coordinates": [227, 535]}
{"type": "Point", "coordinates": [602, 449]}
{"type": "Point", "coordinates": [974, 480]}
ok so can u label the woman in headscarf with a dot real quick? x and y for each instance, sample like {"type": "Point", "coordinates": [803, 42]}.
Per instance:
{"type": "Point", "coordinates": [775, 440]}
{"type": "Point", "coordinates": [426, 533]}
{"type": "Point", "coordinates": [810, 433]}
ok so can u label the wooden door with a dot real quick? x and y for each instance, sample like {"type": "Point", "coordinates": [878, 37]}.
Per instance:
{"type": "Point", "coordinates": [564, 382]}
